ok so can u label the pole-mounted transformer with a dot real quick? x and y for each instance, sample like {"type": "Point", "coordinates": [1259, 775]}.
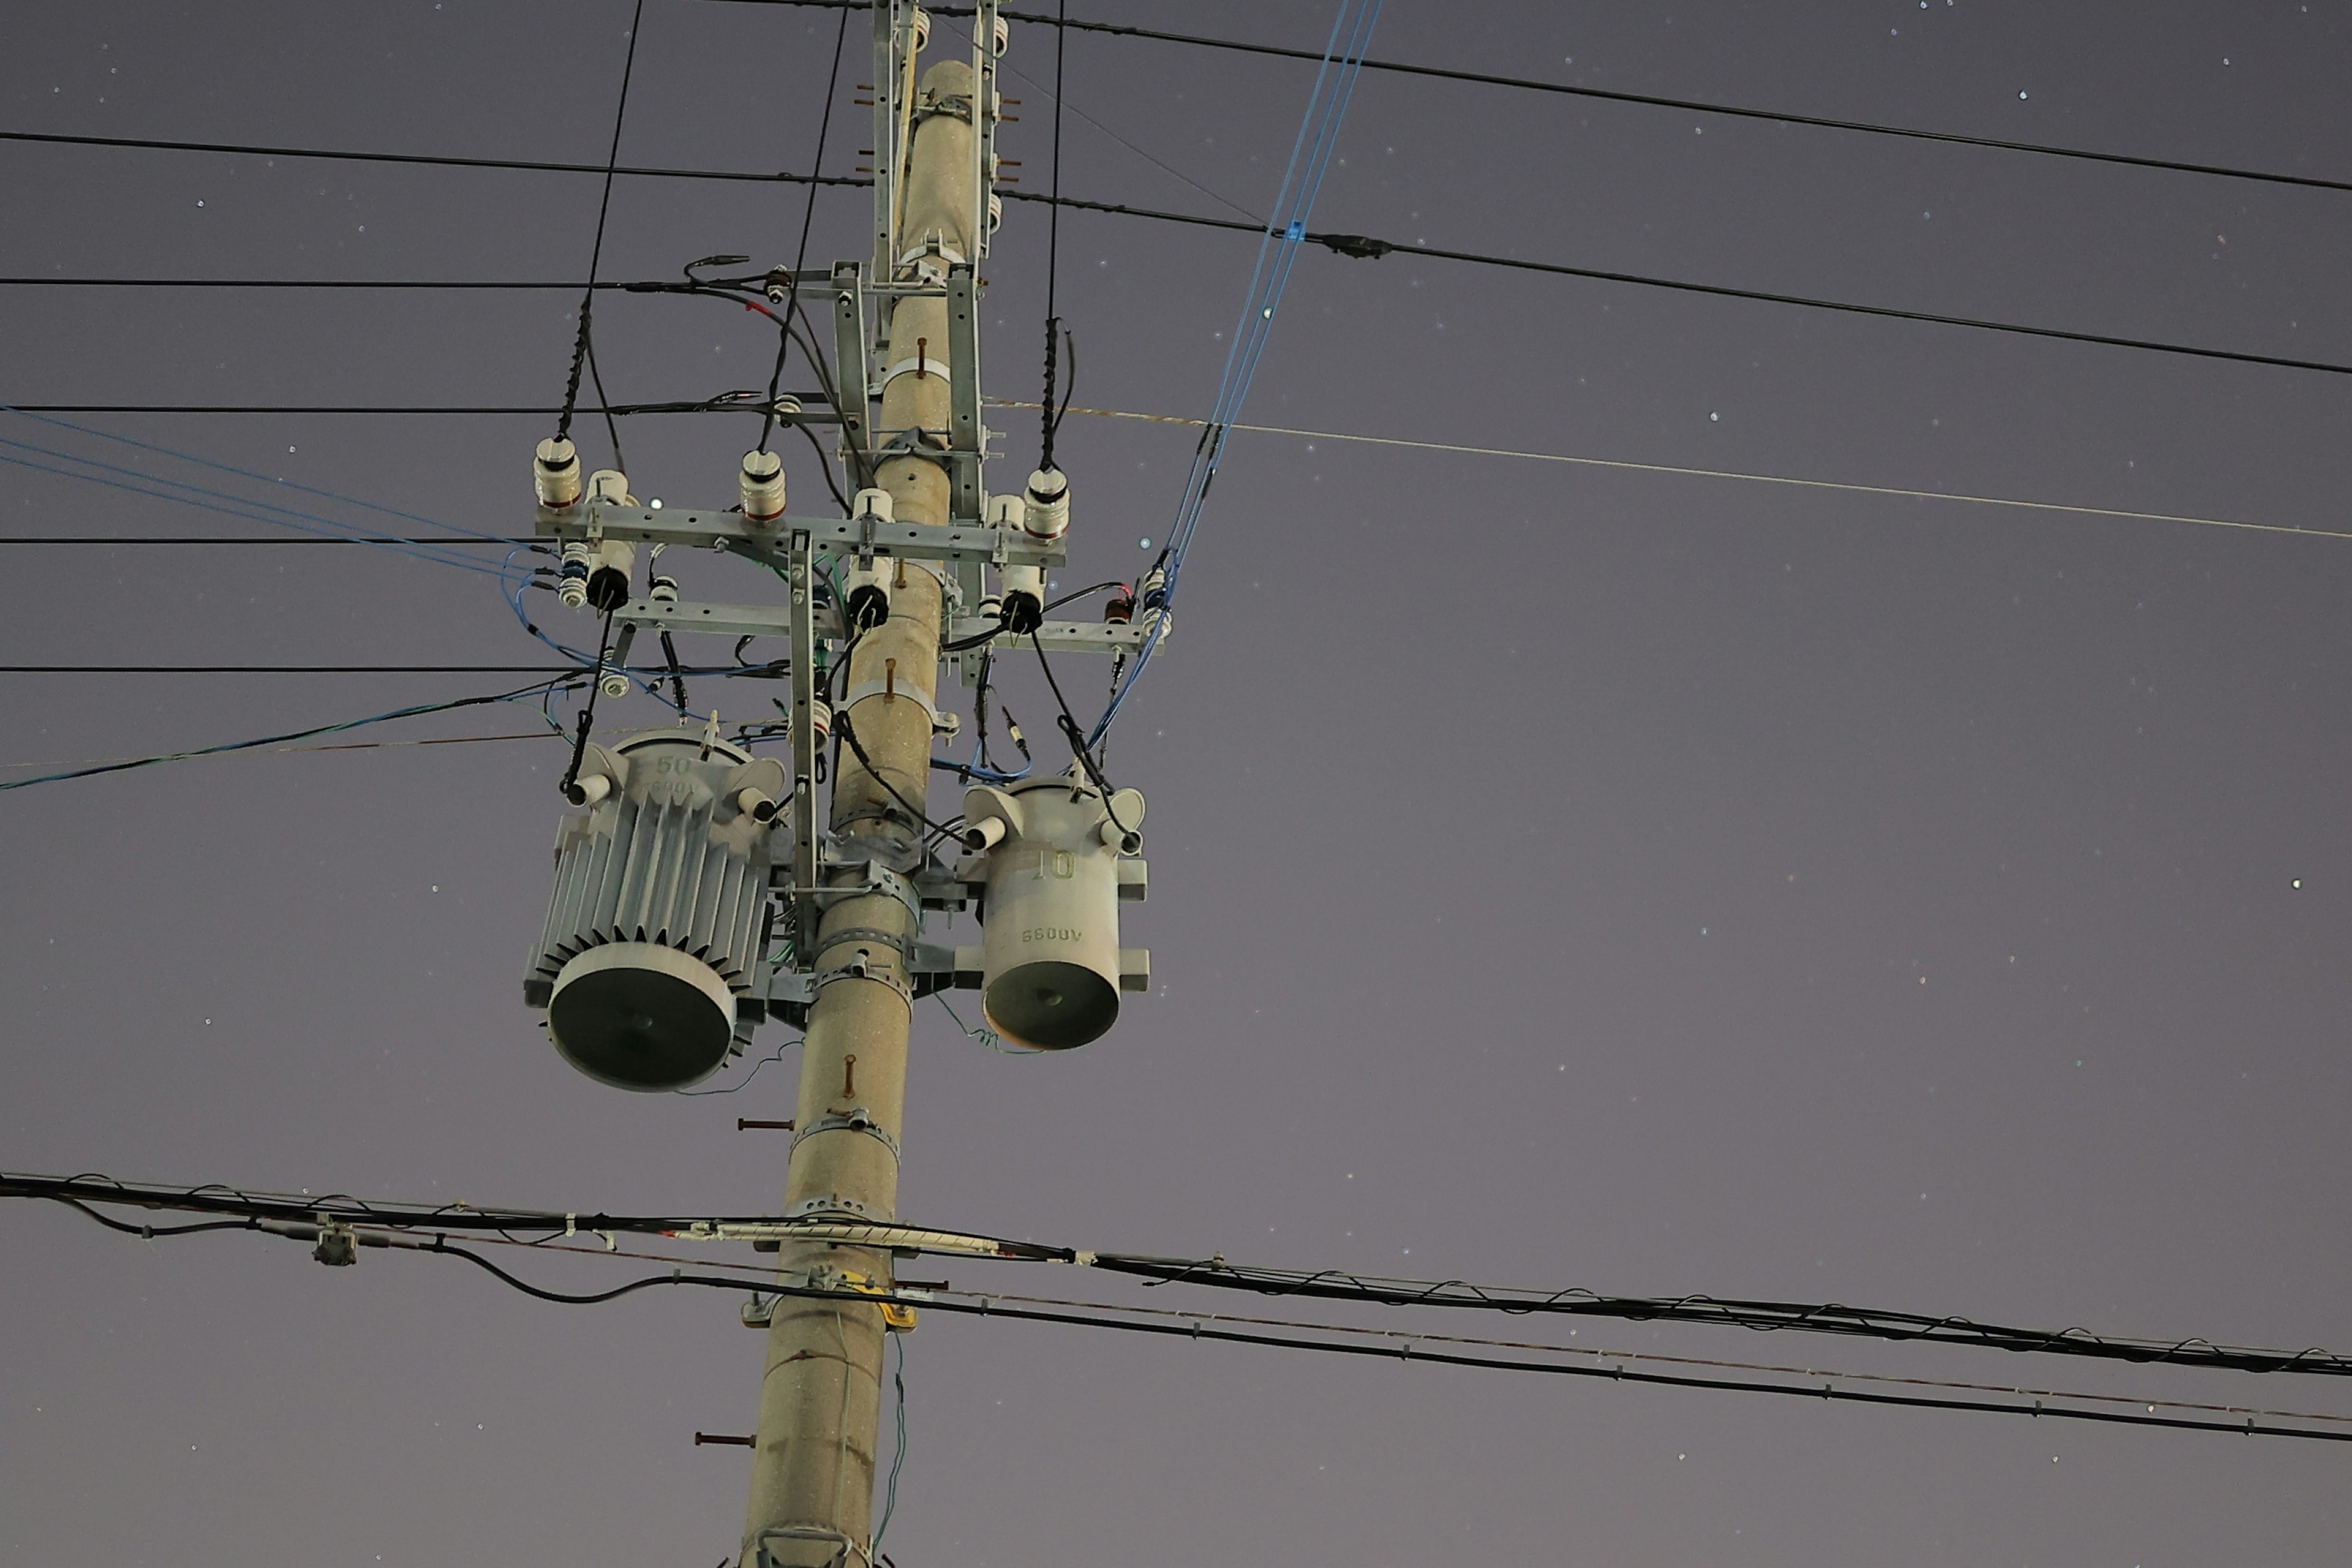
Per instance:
{"type": "Point", "coordinates": [1057, 866]}
{"type": "Point", "coordinates": [649, 965]}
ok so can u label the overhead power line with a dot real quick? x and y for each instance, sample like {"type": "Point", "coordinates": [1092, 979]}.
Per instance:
{"type": "Point", "coordinates": [1329, 1341]}
{"type": "Point", "coordinates": [293, 670]}
{"type": "Point", "coordinates": [1684, 471]}
{"type": "Point", "coordinates": [149, 539]}
{"type": "Point", "coordinates": [1361, 247]}
{"type": "Point", "coordinates": [1684, 105]}
{"type": "Point", "coordinates": [124, 765]}
{"type": "Point", "coordinates": [1322, 1284]}
{"type": "Point", "coordinates": [527, 164]}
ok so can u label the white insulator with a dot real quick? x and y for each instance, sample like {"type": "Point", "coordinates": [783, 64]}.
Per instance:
{"type": "Point", "coordinates": [614, 685]}
{"type": "Point", "coordinates": [610, 486]}
{"type": "Point", "coordinates": [571, 585]}
{"type": "Point", "coordinates": [664, 590]}
{"type": "Point", "coordinates": [821, 721]}
{"type": "Point", "coordinates": [588, 789]}
{"type": "Point", "coordinates": [921, 23]}
{"type": "Point", "coordinates": [1004, 35]}
{"type": "Point", "coordinates": [763, 487]}
{"type": "Point", "coordinates": [1045, 512]}
{"type": "Point", "coordinates": [555, 473]}
{"type": "Point", "coordinates": [873, 503]}
{"type": "Point", "coordinates": [996, 212]}
{"type": "Point", "coordinates": [1004, 511]}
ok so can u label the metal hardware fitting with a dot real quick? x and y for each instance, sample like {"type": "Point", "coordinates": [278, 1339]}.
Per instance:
{"type": "Point", "coordinates": [857, 1119]}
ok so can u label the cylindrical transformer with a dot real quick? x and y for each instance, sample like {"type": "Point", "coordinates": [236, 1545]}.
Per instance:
{"type": "Point", "coordinates": [1051, 968]}
{"type": "Point", "coordinates": [654, 933]}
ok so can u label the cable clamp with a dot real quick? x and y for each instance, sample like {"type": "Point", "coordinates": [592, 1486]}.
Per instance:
{"type": "Point", "coordinates": [914, 365]}
{"type": "Point", "coordinates": [891, 689]}
{"type": "Point", "coordinates": [878, 878]}
{"type": "Point", "coordinates": [857, 1119]}
{"type": "Point", "coordinates": [904, 946]}
{"type": "Point", "coordinates": [863, 968]}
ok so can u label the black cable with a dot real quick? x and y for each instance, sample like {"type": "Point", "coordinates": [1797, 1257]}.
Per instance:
{"type": "Point", "coordinates": [1047, 426]}
{"type": "Point", "coordinates": [147, 539]}
{"type": "Point", "coordinates": [417, 711]}
{"type": "Point", "coordinates": [1687, 106]}
{"type": "Point", "coordinates": [808, 221]}
{"type": "Point", "coordinates": [848, 732]}
{"type": "Point", "coordinates": [588, 709]}
{"type": "Point", "coordinates": [1077, 738]}
{"type": "Point", "coordinates": [1081, 594]}
{"type": "Point", "coordinates": [286, 669]}
{"type": "Point", "coordinates": [625, 171]}
{"type": "Point", "coordinates": [984, 1307]}
{"type": "Point", "coordinates": [92, 1188]}
{"type": "Point", "coordinates": [623, 410]}
{"type": "Point", "coordinates": [676, 676]}
{"type": "Point", "coordinates": [151, 1231]}
{"type": "Point", "coordinates": [1353, 245]}
{"type": "Point", "coordinates": [1762, 1316]}
{"type": "Point", "coordinates": [580, 348]}
{"type": "Point", "coordinates": [1361, 245]}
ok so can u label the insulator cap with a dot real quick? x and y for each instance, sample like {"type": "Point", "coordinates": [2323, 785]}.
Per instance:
{"type": "Point", "coordinates": [555, 473]}
{"type": "Point", "coordinates": [763, 487]}
{"type": "Point", "coordinates": [1045, 509]}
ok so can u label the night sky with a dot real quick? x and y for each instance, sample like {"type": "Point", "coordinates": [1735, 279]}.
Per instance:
{"type": "Point", "coordinates": [1561, 875]}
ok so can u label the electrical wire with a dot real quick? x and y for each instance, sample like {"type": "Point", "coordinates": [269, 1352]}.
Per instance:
{"type": "Point", "coordinates": [808, 222]}
{"type": "Point", "coordinates": [285, 669]}
{"type": "Point", "coordinates": [346, 746]}
{"type": "Point", "coordinates": [1687, 472]}
{"type": "Point", "coordinates": [1686, 105]}
{"type": "Point", "coordinates": [1196, 1329]}
{"type": "Point", "coordinates": [227, 505]}
{"type": "Point", "coordinates": [1048, 426]}
{"type": "Point", "coordinates": [776, 1055]}
{"type": "Point", "coordinates": [1352, 245]}
{"type": "Point", "coordinates": [898, 1450]}
{"type": "Point", "coordinates": [145, 540]}
{"type": "Point", "coordinates": [848, 732]}
{"type": "Point", "coordinates": [584, 347]}
{"type": "Point", "coordinates": [1326, 1284]}
{"type": "Point", "coordinates": [1302, 181]}
{"type": "Point", "coordinates": [278, 481]}
{"type": "Point", "coordinates": [410, 713]}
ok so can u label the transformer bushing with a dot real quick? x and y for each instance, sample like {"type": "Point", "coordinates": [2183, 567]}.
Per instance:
{"type": "Point", "coordinates": [648, 962]}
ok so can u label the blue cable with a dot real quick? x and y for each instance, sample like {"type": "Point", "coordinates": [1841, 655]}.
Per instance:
{"type": "Point", "coordinates": [1302, 183]}
{"type": "Point", "coordinates": [327, 527]}
{"type": "Point", "coordinates": [250, 474]}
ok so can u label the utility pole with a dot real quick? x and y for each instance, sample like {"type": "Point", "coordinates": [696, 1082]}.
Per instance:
{"type": "Point", "coordinates": [702, 889]}
{"type": "Point", "coordinates": [821, 1394]}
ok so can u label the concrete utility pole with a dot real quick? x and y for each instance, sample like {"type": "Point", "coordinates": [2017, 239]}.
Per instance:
{"type": "Point", "coordinates": [820, 1402]}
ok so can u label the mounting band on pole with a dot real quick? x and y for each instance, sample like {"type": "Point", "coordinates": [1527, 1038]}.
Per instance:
{"type": "Point", "coordinates": [858, 1119]}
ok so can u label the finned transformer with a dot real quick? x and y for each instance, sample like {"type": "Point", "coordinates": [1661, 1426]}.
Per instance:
{"type": "Point", "coordinates": [649, 963]}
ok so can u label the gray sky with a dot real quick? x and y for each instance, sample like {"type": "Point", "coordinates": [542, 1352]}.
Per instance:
{"type": "Point", "coordinates": [1561, 876]}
